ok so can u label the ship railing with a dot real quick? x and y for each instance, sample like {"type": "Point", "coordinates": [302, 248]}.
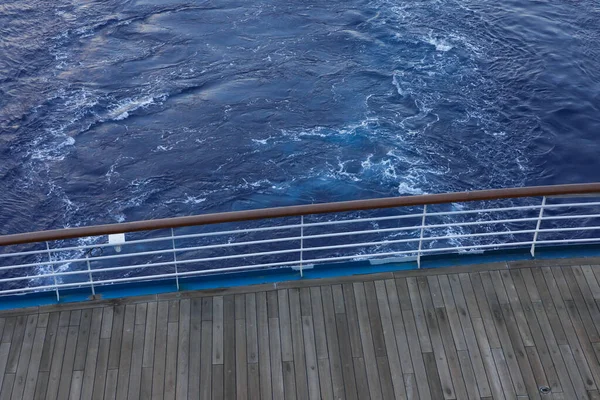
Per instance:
{"type": "Point", "coordinates": [410, 231]}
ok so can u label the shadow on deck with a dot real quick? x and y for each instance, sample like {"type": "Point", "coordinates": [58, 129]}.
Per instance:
{"type": "Point", "coordinates": [501, 331]}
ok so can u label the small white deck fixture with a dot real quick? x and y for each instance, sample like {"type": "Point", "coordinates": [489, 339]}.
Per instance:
{"type": "Point", "coordinates": [116, 239]}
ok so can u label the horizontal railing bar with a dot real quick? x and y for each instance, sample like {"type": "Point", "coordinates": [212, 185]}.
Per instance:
{"type": "Point", "coordinates": [206, 234]}
{"type": "Point", "coordinates": [595, 203]}
{"type": "Point", "coordinates": [290, 211]}
{"type": "Point", "coordinates": [308, 261]}
{"type": "Point", "coordinates": [295, 238]}
{"type": "Point", "coordinates": [576, 216]}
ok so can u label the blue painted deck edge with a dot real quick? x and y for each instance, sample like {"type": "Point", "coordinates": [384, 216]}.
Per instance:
{"type": "Point", "coordinates": [275, 275]}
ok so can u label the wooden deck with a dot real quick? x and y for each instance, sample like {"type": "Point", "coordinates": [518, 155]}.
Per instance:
{"type": "Point", "coordinates": [479, 332]}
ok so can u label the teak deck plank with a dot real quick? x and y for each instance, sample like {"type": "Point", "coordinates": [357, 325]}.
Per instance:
{"type": "Point", "coordinates": [469, 333]}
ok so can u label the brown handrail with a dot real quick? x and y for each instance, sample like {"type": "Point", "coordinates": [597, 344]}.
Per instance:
{"type": "Point", "coordinates": [291, 211]}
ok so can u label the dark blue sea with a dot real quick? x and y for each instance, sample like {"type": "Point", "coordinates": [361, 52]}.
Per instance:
{"type": "Point", "coordinates": [117, 111]}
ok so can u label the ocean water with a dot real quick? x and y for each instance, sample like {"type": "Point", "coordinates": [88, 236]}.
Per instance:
{"type": "Point", "coordinates": [117, 111]}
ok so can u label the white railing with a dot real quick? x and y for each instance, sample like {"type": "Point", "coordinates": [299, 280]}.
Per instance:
{"type": "Point", "coordinates": [299, 242]}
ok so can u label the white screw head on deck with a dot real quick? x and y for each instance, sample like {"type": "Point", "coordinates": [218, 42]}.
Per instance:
{"type": "Point", "coordinates": [116, 239]}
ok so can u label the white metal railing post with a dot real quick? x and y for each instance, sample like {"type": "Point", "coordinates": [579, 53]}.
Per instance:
{"type": "Point", "coordinates": [301, 244]}
{"type": "Point", "coordinates": [87, 260]}
{"type": "Point", "coordinates": [537, 227]}
{"type": "Point", "coordinates": [421, 237]}
{"type": "Point", "coordinates": [53, 273]}
{"type": "Point", "coordinates": [175, 258]}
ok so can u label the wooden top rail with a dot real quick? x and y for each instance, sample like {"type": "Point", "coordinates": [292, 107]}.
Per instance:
{"type": "Point", "coordinates": [291, 211]}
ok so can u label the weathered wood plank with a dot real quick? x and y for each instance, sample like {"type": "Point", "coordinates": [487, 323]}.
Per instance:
{"type": "Point", "coordinates": [116, 335]}
{"type": "Point", "coordinates": [150, 335]}
{"type": "Point", "coordinates": [67, 363]}
{"type": "Point", "coordinates": [140, 313]}
{"type": "Point", "coordinates": [183, 349]}
{"type": "Point", "coordinates": [588, 272]}
{"type": "Point", "coordinates": [487, 314]}
{"type": "Point", "coordinates": [551, 313]}
{"type": "Point", "coordinates": [513, 299]}
{"type": "Point", "coordinates": [412, 391]}
{"type": "Point", "coordinates": [572, 330]}
{"type": "Point", "coordinates": [515, 367]}
{"type": "Point", "coordinates": [272, 307]}
{"type": "Point", "coordinates": [289, 382]}
{"type": "Point", "coordinates": [468, 374]}
{"type": "Point", "coordinates": [502, 368]}
{"type": "Point", "coordinates": [419, 315]}
{"type": "Point", "coordinates": [135, 373]}
{"type": "Point", "coordinates": [453, 318]}
{"type": "Point", "coordinates": [101, 369]}
{"type": "Point", "coordinates": [310, 352]}
{"type": "Point", "coordinates": [160, 350]}
{"type": "Point", "coordinates": [253, 382]}
{"type": "Point", "coordinates": [469, 294]}
{"type": "Point", "coordinates": [24, 356]}
{"type": "Point", "coordinates": [217, 381]}
{"type": "Point", "coordinates": [195, 348]}
{"type": "Point", "coordinates": [305, 305]}
{"type": "Point", "coordinates": [347, 363]}
{"type": "Point", "coordinates": [126, 350]}
{"type": "Point", "coordinates": [512, 331]}
{"type": "Point", "coordinates": [173, 310]}
{"type": "Point", "coordinates": [241, 373]}
{"type": "Point", "coordinates": [107, 321]}
{"type": "Point", "coordinates": [537, 367]}
{"type": "Point", "coordinates": [251, 329]}
{"type": "Point", "coordinates": [325, 379]}
{"type": "Point", "coordinates": [276, 362]}
{"type": "Point", "coordinates": [488, 359]}
{"type": "Point", "coordinates": [207, 309]}
{"type": "Point", "coordinates": [375, 319]}
{"type": "Point", "coordinates": [575, 273]}
{"type": "Point", "coordinates": [171, 360]}
{"type": "Point", "coordinates": [240, 306]}
{"type": "Point", "coordinates": [301, 380]}
{"type": "Point", "coordinates": [287, 351]}
{"type": "Point", "coordinates": [573, 372]}
{"type": "Point", "coordinates": [92, 354]}
{"type": "Point", "coordinates": [352, 318]}
{"type": "Point", "coordinates": [433, 378]}
{"type": "Point", "coordinates": [83, 339]}
{"type": "Point", "coordinates": [399, 327]}
{"type": "Point", "coordinates": [41, 386]}
{"type": "Point", "coordinates": [146, 390]}
{"type": "Point", "coordinates": [76, 382]}
{"type": "Point", "coordinates": [16, 342]}
{"type": "Point", "coordinates": [367, 341]}
{"type": "Point", "coordinates": [229, 347]}
{"type": "Point", "coordinates": [337, 378]}
{"type": "Point", "coordinates": [264, 354]}
{"type": "Point", "coordinates": [338, 299]}
{"type": "Point", "coordinates": [441, 357]}
{"type": "Point", "coordinates": [319, 322]}
{"type": "Point", "coordinates": [470, 338]}
{"type": "Point", "coordinates": [447, 334]}
{"type": "Point", "coordinates": [34, 363]}
{"type": "Point", "coordinates": [110, 391]}
{"type": "Point", "coordinates": [75, 318]}
{"type": "Point", "coordinates": [360, 372]}
{"type": "Point", "coordinates": [395, 367]}
{"type": "Point", "coordinates": [49, 341]}
{"type": "Point", "coordinates": [206, 357]}
{"type": "Point", "coordinates": [217, 336]}
{"type": "Point", "coordinates": [9, 381]}
{"type": "Point", "coordinates": [549, 359]}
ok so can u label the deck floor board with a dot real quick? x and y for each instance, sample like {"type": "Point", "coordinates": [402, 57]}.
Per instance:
{"type": "Point", "coordinates": [448, 333]}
